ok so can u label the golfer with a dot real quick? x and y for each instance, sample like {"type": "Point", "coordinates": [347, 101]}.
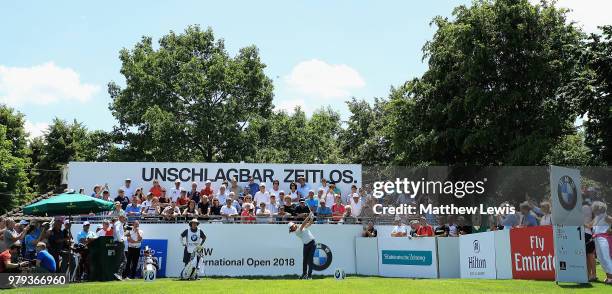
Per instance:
{"type": "Point", "coordinates": [309, 245]}
{"type": "Point", "coordinates": [192, 238]}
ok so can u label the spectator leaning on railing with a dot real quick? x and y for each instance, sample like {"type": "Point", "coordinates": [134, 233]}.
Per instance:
{"type": "Point", "coordinates": [369, 231]}
{"type": "Point", "coordinates": [399, 230]}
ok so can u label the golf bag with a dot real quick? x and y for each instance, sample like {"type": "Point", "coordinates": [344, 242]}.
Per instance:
{"type": "Point", "coordinates": [149, 268]}
{"type": "Point", "coordinates": [190, 271]}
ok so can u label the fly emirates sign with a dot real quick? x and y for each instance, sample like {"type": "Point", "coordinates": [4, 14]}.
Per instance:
{"type": "Point", "coordinates": [533, 254]}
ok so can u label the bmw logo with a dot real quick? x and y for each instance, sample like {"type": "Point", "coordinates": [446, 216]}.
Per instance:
{"type": "Point", "coordinates": [339, 274]}
{"type": "Point", "coordinates": [194, 237]}
{"type": "Point", "coordinates": [567, 193]}
{"type": "Point", "coordinates": [322, 258]}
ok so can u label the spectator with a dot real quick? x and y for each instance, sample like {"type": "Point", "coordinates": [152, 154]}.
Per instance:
{"type": "Point", "coordinates": [191, 211]}
{"type": "Point", "coordinates": [156, 190]}
{"type": "Point", "coordinates": [204, 206]}
{"type": "Point", "coordinates": [253, 188]}
{"type": "Point", "coordinates": [6, 259]}
{"type": "Point", "coordinates": [136, 199]}
{"type": "Point", "coordinates": [194, 194]}
{"type": "Point", "coordinates": [134, 239]}
{"type": "Point", "coordinates": [543, 212]}
{"type": "Point", "coordinates": [424, 230]}
{"type": "Point", "coordinates": [320, 194]}
{"type": "Point", "coordinates": [263, 214]}
{"type": "Point", "coordinates": [10, 235]}
{"type": "Point", "coordinates": [171, 212]}
{"type": "Point", "coordinates": [452, 227]}
{"type": "Point", "coordinates": [119, 239]}
{"type": "Point", "coordinates": [288, 207]}
{"type": "Point", "coordinates": [67, 258]}
{"type": "Point", "coordinates": [303, 187]}
{"type": "Point", "coordinates": [138, 194]}
{"type": "Point", "coordinates": [164, 200]}
{"type": "Point", "coordinates": [273, 207]}
{"type": "Point", "coordinates": [133, 210]}
{"type": "Point", "coordinates": [118, 209]}
{"type": "Point", "coordinates": [222, 194]}
{"type": "Point", "coordinates": [330, 198]}
{"type": "Point", "coordinates": [338, 209]}
{"type": "Point", "coordinates": [324, 186]}
{"type": "Point", "coordinates": [348, 197]}
{"type": "Point", "coordinates": [175, 192]}
{"type": "Point", "coordinates": [106, 195]}
{"type": "Point", "coordinates": [97, 191]}
{"type": "Point", "coordinates": [153, 210]}
{"type": "Point", "coordinates": [236, 201]}
{"type": "Point", "coordinates": [262, 195]}
{"type": "Point", "coordinates": [312, 202]}
{"type": "Point", "coordinates": [295, 197]}
{"type": "Point", "coordinates": [369, 231]}
{"type": "Point", "coordinates": [399, 230]}
{"type": "Point", "coordinates": [182, 201]}
{"type": "Point", "coordinates": [281, 215]}
{"type": "Point", "coordinates": [85, 235]}
{"type": "Point", "coordinates": [275, 188]}
{"type": "Point", "coordinates": [127, 188]}
{"type": "Point", "coordinates": [356, 204]}
{"type": "Point", "coordinates": [462, 227]}
{"type": "Point", "coordinates": [324, 213]}
{"type": "Point", "coordinates": [215, 208]}
{"type": "Point", "coordinates": [414, 227]}
{"type": "Point", "coordinates": [228, 211]}
{"type": "Point", "coordinates": [248, 214]}
{"type": "Point", "coordinates": [442, 230]}
{"type": "Point", "coordinates": [32, 237]}
{"type": "Point", "coordinates": [44, 261]}
{"type": "Point", "coordinates": [601, 228]}
{"type": "Point", "coordinates": [146, 203]}
{"type": "Point", "coordinates": [347, 217]}
{"type": "Point", "coordinates": [301, 211]}
{"type": "Point", "coordinates": [235, 187]}
{"type": "Point", "coordinates": [526, 219]}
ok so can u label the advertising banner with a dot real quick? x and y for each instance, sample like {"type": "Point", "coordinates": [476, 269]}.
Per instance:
{"type": "Point", "coordinates": [533, 253]}
{"type": "Point", "coordinates": [477, 256]}
{"type": "Point", "coordinates": [159, 249]}
{"type": "Point", "coordinates": [568, 230]}
{"type": "Point", "coordinates": [403, 257]}
{"type": "Point", "coordinates": [87, 174]}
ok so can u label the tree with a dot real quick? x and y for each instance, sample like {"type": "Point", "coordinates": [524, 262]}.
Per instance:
{"type": "Point", "coordinates": [63, 142]}
{"type": "Point", "coordinates": [592, 91]}
{"type": "Point", "coordinates": [188, 99]}
{"type": "Point", "coordinates": [14, 163]}
{"type": "Point", "coordinates": [491, 94]}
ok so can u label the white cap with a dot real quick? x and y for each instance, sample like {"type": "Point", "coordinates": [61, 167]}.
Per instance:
{"type": "Point", "coordinates": [128, 180]}
{"type": "Point", "coordinates": [86, 224]}
{"type": "Point", "coordinates": [208, 182]}
{"type": "Point", "coordinates": [355, 195]}
{"type": "Point", "coordinates": [262, 184]}
{"type": "Point", "coordinates": [177, 181]}
{"type": "Point", "coordinates": [290, 224]}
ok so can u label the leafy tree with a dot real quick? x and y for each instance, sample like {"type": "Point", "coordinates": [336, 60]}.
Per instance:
{"type": "Point", "coordinates": [188, 99]}
{"type": "Point", "coordinates": [570, 151]}
{"type": "Point", "coordinates": [14, 163]}
{"type": "Point", "coordinates": [592, 91]}
{"type": "Point", "coordinates": [491, 93]}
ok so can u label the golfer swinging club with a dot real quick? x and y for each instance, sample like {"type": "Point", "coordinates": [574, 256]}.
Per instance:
{"type": "Point", "coordinates": [309, 245]}
{"type": "Point", "coordinates": [193, 240]}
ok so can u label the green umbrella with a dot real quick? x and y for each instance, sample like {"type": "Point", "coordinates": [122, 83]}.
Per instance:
{"type": "Point", "coordinates": [68, 204]}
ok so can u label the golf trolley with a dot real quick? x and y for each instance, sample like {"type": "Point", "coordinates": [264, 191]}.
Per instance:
{"type": "Point", "coordinates": [190, 272]}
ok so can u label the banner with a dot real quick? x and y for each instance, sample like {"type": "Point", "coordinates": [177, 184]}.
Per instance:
{"type": "Point", "coordinates": [159, 249]}
{"type": "Point", "coordinates": [533, 253]}
{"type": "Point", "coordinates": [409, 258]}
{"type": "Point", "coordinates": [568, 230]}
{"type": "Point", "coordinates": [256, 250]}
{"type": "Point", "coordinates": [477, 256]}
{"type": "Point", "coordinates": [87, 174]}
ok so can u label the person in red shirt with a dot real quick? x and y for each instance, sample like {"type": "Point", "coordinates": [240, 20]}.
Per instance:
{"type": "Point", "coordinates": [424, 230]}
{"type": "Point", "coordinates": [248, 213]}
{"type": "Point", "coordinates": [156, 190]}
{"type": "Point", "coordinates": [183, 200]}
{"type": "Point", "coordinates": [337, 209]}
{"type": "Point", "coordinates": [207, 190]}
{"type": "Point", "coordinates": [6, 266]}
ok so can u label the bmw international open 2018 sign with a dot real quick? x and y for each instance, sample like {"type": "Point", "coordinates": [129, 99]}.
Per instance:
{"type": "Point", "coordinates": [568, 229]}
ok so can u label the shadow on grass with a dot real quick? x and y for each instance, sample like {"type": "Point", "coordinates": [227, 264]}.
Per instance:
{"type": "Point", "coordinates": [576, 286]}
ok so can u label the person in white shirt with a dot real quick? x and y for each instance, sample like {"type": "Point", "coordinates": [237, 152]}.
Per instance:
{"type": "Point", "coordinates": [330, 197]}
{"type": "Point", "coordinates": [134, 239]}
{"type": "Point", "coordinates": [171, 211]}
{"type": "Point", "coordinates": [175, 192]}
{"type": "Point", "coordinates": [263, 214]}
{"type": "Point", "coordinates": [273, 207]}
{"type": "Point", "coordinates": [308, 240]}
{"type": "Point", "coordinates": [222, 194]}
{"type": "Point", "coordinates": [127, 188]}
{"type": "Point", "coordinates": [399, 230]}
{"type": "Point", "coordinates": [324, 185]}
{"type": "Point", "coordinates": [262, 195]}
{"type": "Point", "coordinates": [275, 188]}
{"type": "Point", "coordinates": [356, 205]}
{"type": "Point", "coordinates": [228, 211]}
{"type": "Point", "coordinates": [119, 239]}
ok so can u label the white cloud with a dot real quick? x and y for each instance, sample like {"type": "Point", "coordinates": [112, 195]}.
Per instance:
{"type": "Point", "coordinates": [35, 129]}
{"type": "Point", "coordinates": [42, 85]}
{"type": "Point", "coordinates": [587, 13]}
{"type": "Point", "coordinates": [289, 105]}
{"type": "Point", "coordinates": [318, 79]}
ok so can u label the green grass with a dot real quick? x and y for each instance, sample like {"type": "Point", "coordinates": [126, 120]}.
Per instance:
{"type": "Point", "coordinates": [351, 285]}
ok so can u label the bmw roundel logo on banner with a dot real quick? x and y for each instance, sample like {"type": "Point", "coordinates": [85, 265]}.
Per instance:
{"type": "Point", "coordinates": [566, 191]}
{"type": "Point", "coordinates": [322, 257]}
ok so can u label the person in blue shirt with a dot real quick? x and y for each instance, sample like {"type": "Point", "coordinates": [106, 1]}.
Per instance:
{"type": "Point", "coordinates": [133, 211]}
{"type": "Point", "coordinates": [526, 219]}
{"type": "Point", "coordinates": [253, 188]}
{"type": "Point", "coordinates": [312, 202]}
{"type": "Point", "coordinates": [44, 260]}
{"type": "Point", "coordinates": [324, 213]}
{"type": "Point", "coordinates": [303, 187]}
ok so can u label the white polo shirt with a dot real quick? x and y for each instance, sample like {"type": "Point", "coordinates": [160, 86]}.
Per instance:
{"type": "Point", "coordinates": [305, 235]}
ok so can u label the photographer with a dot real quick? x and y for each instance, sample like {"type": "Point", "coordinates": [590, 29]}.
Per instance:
{"type": "Point", "coordinates": [44, 261]}
{"type": "Point", "coordinates": [6, 265]}
{"type": "Point", "coordinates": [133, 254]}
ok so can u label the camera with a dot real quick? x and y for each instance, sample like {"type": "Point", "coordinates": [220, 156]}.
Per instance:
{"type": "Point", "coordinates": [128, 228]}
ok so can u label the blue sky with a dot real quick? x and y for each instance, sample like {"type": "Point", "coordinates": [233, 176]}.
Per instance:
{"type": "Point", "coordinates": [56, 57]}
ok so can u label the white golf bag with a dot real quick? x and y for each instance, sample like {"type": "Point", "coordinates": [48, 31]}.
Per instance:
{"type": "Point", "coordinates": [149, 269]}
{"type": "Point", "coordinates": [190, 271]}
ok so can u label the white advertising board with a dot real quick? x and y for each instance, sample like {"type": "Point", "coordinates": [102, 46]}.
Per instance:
{"type": "Point", "coordinates": [408, 258]}
{"type": "Point", "coordinates": [448, 258]}
{"type": "Point", "coordinates": [477, 256]}
{"type": "Point", "coordinates": [87, 174]}
{"type": "Point", "coordinates": [366, 256]}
